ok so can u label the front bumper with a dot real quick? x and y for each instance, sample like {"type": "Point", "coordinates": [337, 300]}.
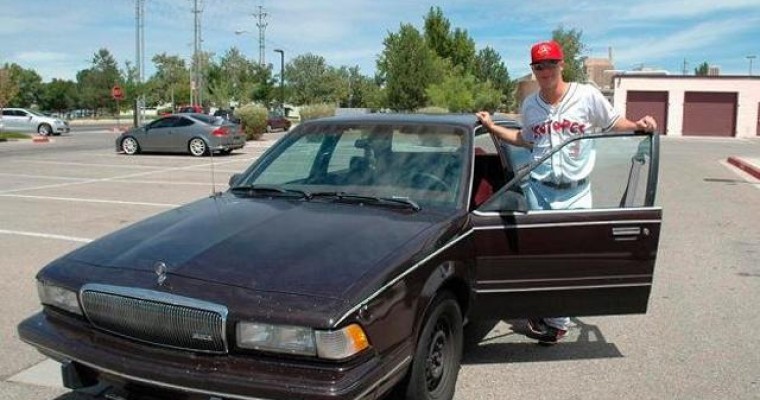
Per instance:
{"type": "Point", "coordinates": [230, 376]}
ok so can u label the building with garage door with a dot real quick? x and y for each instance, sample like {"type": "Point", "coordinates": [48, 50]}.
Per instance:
{"type": "Point", "coordinates": [692, 105]}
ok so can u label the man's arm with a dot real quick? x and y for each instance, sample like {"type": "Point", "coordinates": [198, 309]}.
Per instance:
{"type": "Point", "coordinates": [511, 136]}
{"type": "Point", "coordinates": [646, 124]}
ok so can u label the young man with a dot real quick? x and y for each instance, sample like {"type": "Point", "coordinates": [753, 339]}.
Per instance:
{"type": "Point", "coordinates": [557, 112]}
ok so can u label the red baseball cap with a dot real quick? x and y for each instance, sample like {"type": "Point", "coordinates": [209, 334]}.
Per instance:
{"type": "Point", "coordinates": [546, 51]}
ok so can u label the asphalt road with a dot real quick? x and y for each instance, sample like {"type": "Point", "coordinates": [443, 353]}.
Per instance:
{"type": "Point", "coordinates": [698, 340]}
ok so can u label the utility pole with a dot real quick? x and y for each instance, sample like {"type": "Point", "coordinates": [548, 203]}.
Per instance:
{"type": "Point", "coordinates": [750, 58]}
{"type": "Point", "coordinates": [684, 67]}
{"type": "Point", "coordinates": [262, 25]}
{"type": "Point", "coordinates": [196, 83]}
{"type": "Point", "coordinates": [139, 61]}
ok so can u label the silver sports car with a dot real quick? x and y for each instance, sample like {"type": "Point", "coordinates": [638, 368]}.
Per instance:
{"type": "Point", "coordinates": [198, 134]}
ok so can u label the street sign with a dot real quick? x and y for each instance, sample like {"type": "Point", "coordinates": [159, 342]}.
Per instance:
{"type": "Point", "coordinates": [116, 93]}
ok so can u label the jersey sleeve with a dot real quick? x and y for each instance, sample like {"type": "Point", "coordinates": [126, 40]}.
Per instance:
{"type": "Point", "coordinates": [602, 112]}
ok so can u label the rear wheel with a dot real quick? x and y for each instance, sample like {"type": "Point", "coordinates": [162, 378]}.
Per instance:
{"type": "Point", "coordinates": [435, 366]}
{"type": "Point", "coordinates": [197, 147]}
{"type": "Point", "coordinates": [130, 146]}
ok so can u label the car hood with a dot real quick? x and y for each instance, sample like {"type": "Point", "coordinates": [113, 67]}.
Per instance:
{"type": "Point", "coordinates": [268, 244]}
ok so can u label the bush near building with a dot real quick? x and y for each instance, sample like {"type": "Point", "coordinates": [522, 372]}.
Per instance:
{"type": "Point", "coordinates": [253, 120]}
{"type": "Point", "coordinates": [315, 111]}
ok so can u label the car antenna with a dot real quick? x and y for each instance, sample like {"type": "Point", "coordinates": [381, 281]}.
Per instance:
{"type": "Point", "coordinates": [214, 193]}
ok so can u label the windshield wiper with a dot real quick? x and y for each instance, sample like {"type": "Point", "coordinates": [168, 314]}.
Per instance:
{"type": "Point", "coordinates": [373, 200]}
{"type": "Point", "coordinates": [269, 190]}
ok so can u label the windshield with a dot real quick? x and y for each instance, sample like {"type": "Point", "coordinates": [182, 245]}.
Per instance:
{"type": "Point", "coordinates": [417, 162]}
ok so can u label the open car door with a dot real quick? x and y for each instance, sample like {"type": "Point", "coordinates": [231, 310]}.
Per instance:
{"type": "Point", "coordinates": [595, 257]}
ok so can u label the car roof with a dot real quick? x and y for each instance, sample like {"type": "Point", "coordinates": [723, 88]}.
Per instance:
{"type": "Point", "coordinates": [391, 118]}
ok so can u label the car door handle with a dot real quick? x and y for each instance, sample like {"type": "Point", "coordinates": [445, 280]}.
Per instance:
{"type": "Point", "coordinates": [628, 233]}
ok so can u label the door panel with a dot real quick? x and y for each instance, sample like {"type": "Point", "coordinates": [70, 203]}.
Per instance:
{"type": "Point", "coordinates": [576, 262]}
{"type": "Point", "coordinates": [534, 260]}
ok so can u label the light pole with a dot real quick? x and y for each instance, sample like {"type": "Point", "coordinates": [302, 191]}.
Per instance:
{"type": "Point", "coordinates": [282, 79]}
{"type": "Point", "coordinates": [750, 58]}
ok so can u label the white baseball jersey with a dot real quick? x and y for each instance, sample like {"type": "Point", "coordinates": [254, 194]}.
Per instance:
{"type": "Point", "coordinates": [583, 109]}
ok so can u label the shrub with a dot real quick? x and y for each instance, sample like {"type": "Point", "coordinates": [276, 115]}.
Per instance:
{"type": "Point", "coordinates": [315, 111]}
{"type": "Point", "coordinates": [253, 120]}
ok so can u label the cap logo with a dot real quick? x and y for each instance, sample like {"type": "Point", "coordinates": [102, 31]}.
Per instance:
{"type": "Point", "coordinates": [544, 49]}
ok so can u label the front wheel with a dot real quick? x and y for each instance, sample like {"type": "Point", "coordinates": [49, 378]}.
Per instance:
{"type": "Point", "coordinates": [435, 367]}
{"type": "Point", "coordinates": [130, 146]}
{"type": "Point", "coordinates": [197, 147]}
{"type": "Point", "coordinates": [44, 129]}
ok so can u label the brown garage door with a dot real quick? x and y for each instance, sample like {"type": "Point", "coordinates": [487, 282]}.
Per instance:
{"type": "Point", "coordinates": [709, 114]}
{"type": "Point", "coordinates": [641, 103]}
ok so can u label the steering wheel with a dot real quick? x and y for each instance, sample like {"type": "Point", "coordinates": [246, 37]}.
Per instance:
{"type": "Point", "coordinates": [426, 180]}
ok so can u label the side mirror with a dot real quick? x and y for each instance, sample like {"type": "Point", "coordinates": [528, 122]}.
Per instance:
{"type": "Point", "coordinates": [234, 179]}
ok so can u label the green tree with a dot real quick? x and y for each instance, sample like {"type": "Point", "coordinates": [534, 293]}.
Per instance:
{"type": "Point", "coordinates": [407, 66]}
{"type": "Point", "coordinates": [308, 78]}
{"type": "Point", "coordinates": [8, 90]}
{"type": "Point", "coordinates": [438, 32]}
{"type": "Point", "coordinates": [94, 84]}
{"type": "Point", "coordinates": [572, 46]}
{"type": "Point", "coordinates": [29, 85]}
{"type": "Point", "coordinates": [461, 91]}
{"type": "Point", "coordinates": [171, 81]}
{"type": "Point", "coordinates": [702, 69]}
{"type": "Point", "coordinates": [488, 67]}
{"type": "Point", "coordinates": [59, 95]}
{"type": "Point", "coordinates": [457, 46]}
{"type": "Point", "coordinates": [462, 50]}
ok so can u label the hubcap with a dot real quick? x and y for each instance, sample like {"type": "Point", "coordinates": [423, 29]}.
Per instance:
{"type": "Point", "coordinates": [197, 147]}
{"type": "Point", "coordinates": [437, 357]}
{"type": "Point", "coordinates": [129, 146]}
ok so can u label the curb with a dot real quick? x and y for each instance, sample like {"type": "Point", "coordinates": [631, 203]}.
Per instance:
{"type": "Point", "coordinates": [745, 166]}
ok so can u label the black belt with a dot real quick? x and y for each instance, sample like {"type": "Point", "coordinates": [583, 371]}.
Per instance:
{"type": "Point", "coordinates": [563, 185]}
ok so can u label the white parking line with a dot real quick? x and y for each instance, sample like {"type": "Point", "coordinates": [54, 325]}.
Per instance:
{"type": "Point", "coordinates": [135, 203]}
{"type": "Point", "coordinates": [45, 235]}
{"type": "Point", "coordinates": [65, 178]}
{"type": "Point", "coordinates": [83, 164]}
{"type": "Point", "coordinates": [190, 167]}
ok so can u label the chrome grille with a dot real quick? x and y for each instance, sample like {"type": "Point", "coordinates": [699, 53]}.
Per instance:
{"type": "Point", "coordinates": [156, 317]}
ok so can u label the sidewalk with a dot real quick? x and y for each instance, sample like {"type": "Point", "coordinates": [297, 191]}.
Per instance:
{"type": "Point", "coordinates": [750, 165]}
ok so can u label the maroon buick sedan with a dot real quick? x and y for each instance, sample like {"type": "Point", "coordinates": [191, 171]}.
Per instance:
{"type": "Point", "coordinates": [343, 262]}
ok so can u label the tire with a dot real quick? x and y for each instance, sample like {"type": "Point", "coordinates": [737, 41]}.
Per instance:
{"type": "Point", "coordinates": [197, 147]}
{"type": "Point", "coordinates": [130, 146]}
{"type": "Point", "coordinates": [434, 370]}
{"type": "Point", "coordinates": [44, 129]}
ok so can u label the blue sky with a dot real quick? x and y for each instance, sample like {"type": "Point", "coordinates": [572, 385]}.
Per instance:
{"type": "Point", "coordinates": [57, 38]}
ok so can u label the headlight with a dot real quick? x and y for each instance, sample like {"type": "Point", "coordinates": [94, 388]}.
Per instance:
{"type": "Point", "coordinates": [277, 338]}
{"type": "Point", "coordinates": [334, 345]}
{"type": "Point", "coordinates": [57, 296]}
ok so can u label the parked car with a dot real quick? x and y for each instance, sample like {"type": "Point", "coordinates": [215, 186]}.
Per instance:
{"type": "Point", "coordinates": [228, 115]}
{"type": "Point", "coordinates": [277, 121]}
{"type": "Point", "coordinates": [25, 120]}
{"type": "Point", "coordinates": [193, 109]}
{"type": "Point", "coordinates": [198, 134]}
{"type": "Point", "coordinates": [343, 263]}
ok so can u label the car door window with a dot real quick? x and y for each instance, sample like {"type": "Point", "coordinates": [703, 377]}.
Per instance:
{"type": "Point", "coordinates": [182, 122]}
{"type": "Point", "coordinates": [595, 172]}
{"type": "Point", "coordinates": [163, 123]}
